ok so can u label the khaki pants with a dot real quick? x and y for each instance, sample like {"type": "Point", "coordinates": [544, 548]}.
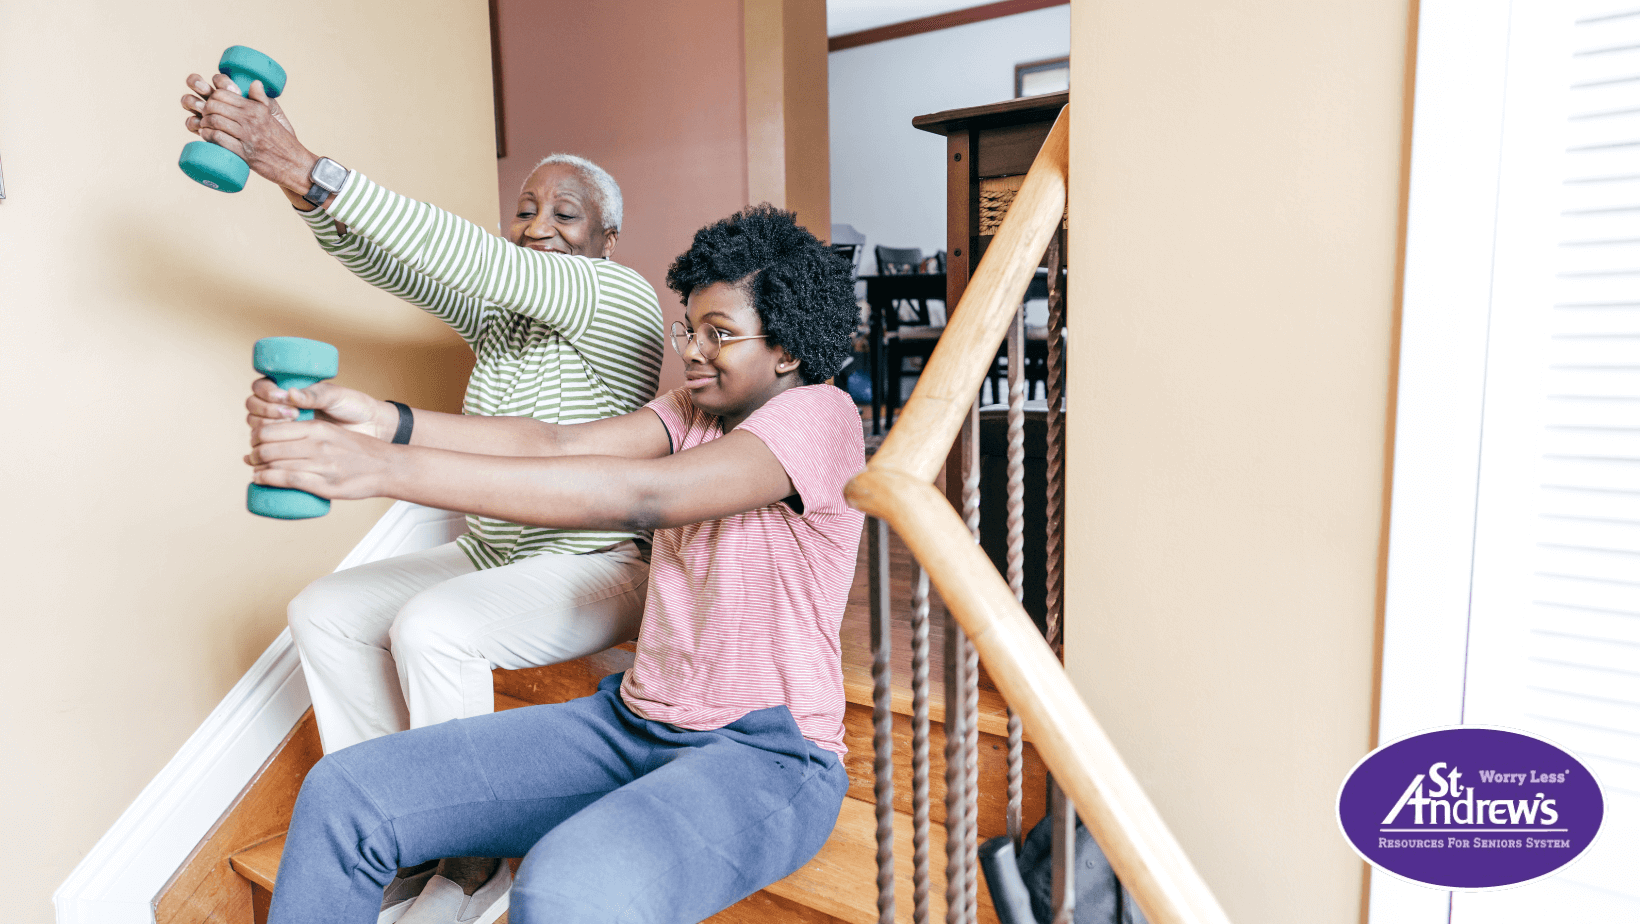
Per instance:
{"type": "Point", "coordinates": [410, 641]}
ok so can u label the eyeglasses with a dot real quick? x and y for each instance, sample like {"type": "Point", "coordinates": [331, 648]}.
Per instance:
{"type": "Point", "coordinates": [709, 340]}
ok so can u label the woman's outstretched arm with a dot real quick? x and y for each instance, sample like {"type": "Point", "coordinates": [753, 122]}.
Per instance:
{"type": "Point", "coordinates": [560, 290]}
{"type": "Point", "coordinates": [464, 313]}
{"type": "Point", "coordinates": [363, 259]}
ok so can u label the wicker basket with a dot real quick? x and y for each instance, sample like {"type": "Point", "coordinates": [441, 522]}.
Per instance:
{"type": "Point", "coordinates": [996, 194]}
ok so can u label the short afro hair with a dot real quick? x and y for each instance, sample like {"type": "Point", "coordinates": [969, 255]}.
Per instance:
{"type": "Point", "coordinates": [803, 291]}
{"type": "Point", "coordinates": [609, 191]}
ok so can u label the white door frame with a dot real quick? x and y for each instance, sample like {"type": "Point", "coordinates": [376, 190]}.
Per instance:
{"type": "Point", "coordinates": [1457, 133]}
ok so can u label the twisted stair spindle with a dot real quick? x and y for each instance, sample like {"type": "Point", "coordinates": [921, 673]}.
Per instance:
{"type": "Point", "coordinates": [921, 872]}
{"type": "Point", "coordinates": [882, 716]}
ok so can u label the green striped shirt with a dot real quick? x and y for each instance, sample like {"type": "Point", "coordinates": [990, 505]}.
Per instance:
{"type": "Point", "coordinates": [560, 338]}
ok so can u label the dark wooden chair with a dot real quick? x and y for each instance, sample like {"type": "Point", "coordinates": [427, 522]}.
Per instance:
{"type": "Point", "coordinates": [910, 330]}
{"type": "Point", "coordinates": [1036, 351]}
{"type": "Point", "coordinates": [849, 252]}
{"type": "Point", "coordinates": [850, 245]}
{"type": "Point", "coordinates": [901, 261]}
{"type": "Point", "coordinates": [897, 261]}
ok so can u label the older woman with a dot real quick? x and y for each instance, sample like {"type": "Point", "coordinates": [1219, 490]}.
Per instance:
{"type": "Point", "coordinates": [410, 641]}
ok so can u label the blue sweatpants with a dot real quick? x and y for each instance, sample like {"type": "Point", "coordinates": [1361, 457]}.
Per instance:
{"type": "Point", "coordinates": [618, 818]}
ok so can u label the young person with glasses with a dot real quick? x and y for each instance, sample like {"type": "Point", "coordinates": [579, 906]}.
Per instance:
{"type": "Point", "coordinates": [711, 768]}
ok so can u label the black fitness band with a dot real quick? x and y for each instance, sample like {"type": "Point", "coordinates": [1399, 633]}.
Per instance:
{"type": "Point", "coordinates": [407, 422]}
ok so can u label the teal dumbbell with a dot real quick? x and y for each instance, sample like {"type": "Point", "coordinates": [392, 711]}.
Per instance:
{"type": "Point", "coordinates": [292, 362]}
{"type": "Point", "coordinates": [216, 166]}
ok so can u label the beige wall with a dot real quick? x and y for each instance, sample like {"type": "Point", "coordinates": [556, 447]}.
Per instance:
{"type": "Point", "coordinates": [1235, 197]}
{"type": "Point", "coordinates": [653, 92]}
{"type": "Point", "coordinates": [136, 588]}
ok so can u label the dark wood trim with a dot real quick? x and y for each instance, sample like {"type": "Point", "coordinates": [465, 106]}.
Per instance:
{"type": "Point", "coordinates": [1025, 109]}
{"type": "Point", "coordinates": [936, 23]}
{"type": "Point", "coordinates": [961, 192]}
{"type": "Point", "coordinates": [495, 81]}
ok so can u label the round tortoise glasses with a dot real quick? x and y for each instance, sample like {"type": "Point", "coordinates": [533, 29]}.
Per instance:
{"type": "Point", "coordinates": [708, 339]}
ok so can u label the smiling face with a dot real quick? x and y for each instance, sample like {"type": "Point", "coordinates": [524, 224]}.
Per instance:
{"type": "Point", "coordinates": [746, 373]}
{"type": "Point", "coordinates": [558, 212]}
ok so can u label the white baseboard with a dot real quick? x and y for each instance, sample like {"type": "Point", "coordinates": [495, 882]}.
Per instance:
{"type": "Point", "coordinates": [119, 881]}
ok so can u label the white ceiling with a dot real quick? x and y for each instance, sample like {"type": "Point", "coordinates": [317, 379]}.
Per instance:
{"type": "Point", "coordinates": [845, 16]}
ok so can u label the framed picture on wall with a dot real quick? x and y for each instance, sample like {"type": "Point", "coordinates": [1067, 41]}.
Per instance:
{"type": "Point", "coordinates": [1033, 78]}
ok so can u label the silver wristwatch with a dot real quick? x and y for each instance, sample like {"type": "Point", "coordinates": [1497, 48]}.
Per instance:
{"type": "Point", "coordinates": [327, 177]}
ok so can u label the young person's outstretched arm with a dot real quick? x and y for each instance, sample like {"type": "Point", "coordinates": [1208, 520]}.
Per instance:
{"type": "Point", "coordinates": [645, 489]}
{"type": "Point", "coordinates": [639, 434]}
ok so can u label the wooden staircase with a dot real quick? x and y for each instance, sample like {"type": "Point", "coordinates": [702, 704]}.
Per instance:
{"type": "Point", "coordinates": [229, 878]}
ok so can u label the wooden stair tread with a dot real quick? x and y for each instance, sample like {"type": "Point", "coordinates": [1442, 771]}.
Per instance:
{"type": "Point", "coordinates": [763, 908]}
{"type": "Point", "coordinates": [260, 863]}
{"type": "Point", "coordinates": [841, 880]}
{"type": "Point", "coordinates": [993, 709]}
{"type": "Point", "coordinates": [503, 702]}
{"type": "Point", "coordinates": [559, 682]}
{"type": "Point", "coordinates": [838, 884]}
{"type": "Point", "coordinates": [992, 766]}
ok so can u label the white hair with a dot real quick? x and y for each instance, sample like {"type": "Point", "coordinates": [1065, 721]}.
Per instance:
{"type": "Point", "coordinates": [608, 191]}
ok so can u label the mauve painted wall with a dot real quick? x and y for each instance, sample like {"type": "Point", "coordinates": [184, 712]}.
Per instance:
{"type": "Point", "coordinates": [654, 93]}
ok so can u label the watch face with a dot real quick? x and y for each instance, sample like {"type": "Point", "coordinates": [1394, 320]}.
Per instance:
{"type": "Point", "coordinates": [329, 174]}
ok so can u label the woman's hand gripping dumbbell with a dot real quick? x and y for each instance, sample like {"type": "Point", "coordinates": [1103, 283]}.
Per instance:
{"type": "Point", "coordinates": [249, 125]}
{"type": "Point", "coordinates": [210, 163]}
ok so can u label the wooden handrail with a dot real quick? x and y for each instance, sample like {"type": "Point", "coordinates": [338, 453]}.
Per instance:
{"type": "Point", "coordinates": [897, 487]}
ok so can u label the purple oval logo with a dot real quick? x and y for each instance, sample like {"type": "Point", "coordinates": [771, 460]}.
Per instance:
{"type": "Point", "coordinates": [1470, 807]}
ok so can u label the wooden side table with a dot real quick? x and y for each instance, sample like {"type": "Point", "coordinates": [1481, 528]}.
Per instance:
{"type": "Point", "coordinates": [988, 150]}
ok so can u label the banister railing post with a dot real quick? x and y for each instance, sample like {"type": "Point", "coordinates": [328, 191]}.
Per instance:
{"type": "Point", "coordinates": [969, 691]}
{"type": "Point", "coordinates": [956, 807]}
{"type": "Point", "coordinates": [882, 715]}
{"type": "Point", "coordinates": [1016, 554]}
{"type": "Point", "coordinates": [921, 871]}
{"type": "Point", "coordinates": [1064, 854]}
{"type": "Point", "coordinates": [1056, 444]}
{"type": "Point", "coordinates": [970, 754]}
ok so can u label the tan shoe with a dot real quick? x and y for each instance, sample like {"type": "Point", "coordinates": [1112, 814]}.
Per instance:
{"type": "Point", "coordinates": [400, 893]}
{"type": "Point", "coordinates": [443, 902]}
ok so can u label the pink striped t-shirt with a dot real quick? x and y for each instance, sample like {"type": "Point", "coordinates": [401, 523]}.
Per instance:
{"type": "Point", "coordinates": [744, 612]}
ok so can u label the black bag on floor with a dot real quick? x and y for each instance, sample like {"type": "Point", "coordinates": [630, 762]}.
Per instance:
{"type": "Point", "coordinates": [1022, 890]}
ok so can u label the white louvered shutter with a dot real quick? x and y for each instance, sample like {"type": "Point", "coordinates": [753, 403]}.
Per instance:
{"type": "Point", "coordinates": [1550, 639]}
